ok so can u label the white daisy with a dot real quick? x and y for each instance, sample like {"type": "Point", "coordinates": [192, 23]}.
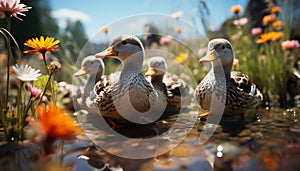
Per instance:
{"type": "Point", "coordinates": [26, 73]}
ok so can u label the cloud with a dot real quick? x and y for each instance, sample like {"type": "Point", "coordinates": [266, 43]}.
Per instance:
{"type": "Point", "coordinates": [64, 14]}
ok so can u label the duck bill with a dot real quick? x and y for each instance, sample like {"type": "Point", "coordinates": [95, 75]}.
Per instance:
{"type": "Point", "coordinates": [151, 71]}
{"type": "Point", "coordinates": [210, 56]}
{"type": "Point", "coordinates": [80, 72]}
{"type": "Point", "coordinates": [108, 52]}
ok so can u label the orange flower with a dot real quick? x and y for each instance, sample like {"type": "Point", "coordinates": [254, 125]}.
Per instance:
{"type": "Point", "coordinates": [178, 30]}
{"type": "Point", "coordinates": [270, 36]}
{"type": "Point", "coordinates": [236, 9]}
{"type": "Point", "coordinates": [277, 36]}
{"type": "Point", "coordinates": [276, 10]}
{"type": "Point", "coordinates": [269, 18]}
{"type": "Point", "coordinates": [181, 58]}
{"type": "Point", "coordinates": [277, 24]}
{"type": "Point", "coordinates": [55, 122]}
{"type": "Point", "coordinates": [43, 45]}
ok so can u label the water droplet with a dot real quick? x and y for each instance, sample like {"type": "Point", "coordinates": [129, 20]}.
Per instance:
{"type": "Point", "coordinates": [220, 148]}
{"type": "Point", "coordinates": [219, 154]}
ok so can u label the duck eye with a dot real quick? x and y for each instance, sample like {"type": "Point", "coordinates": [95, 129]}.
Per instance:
{"type": "Point", "coordinates": [223, 47]}
{"type": "Point", "coordinates": [124, 42]}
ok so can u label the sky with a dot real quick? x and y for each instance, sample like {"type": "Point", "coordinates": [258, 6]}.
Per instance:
{"type": "Point", "coordinates": [95, 14]}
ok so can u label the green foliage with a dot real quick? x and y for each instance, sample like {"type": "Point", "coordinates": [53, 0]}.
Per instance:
{"type": "Point", "coordinates": [42, 81]}
{"type": "Point", "coordinates": [267, 64]}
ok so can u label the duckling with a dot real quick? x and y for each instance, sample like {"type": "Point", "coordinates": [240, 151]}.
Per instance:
{"type": "Point", "coordinates": [177, 91]}
{"type": "Point", "coordinates": [232, 88]}
{"type": "Point", "coordinates": [127, 95]}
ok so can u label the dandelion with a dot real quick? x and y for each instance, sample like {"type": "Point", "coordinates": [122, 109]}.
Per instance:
{"type": "Point", "coordinates": [270, 36]}
{"type": "Point", "coordinates": [181, 58]}
{"type": "Point", "coordinates": [26, 73]}
{"type": "Point", "coordinates": [177, 14]}
{"type": "Point", "coordinates": [276, 10]}
{"type": "Point", "coordinates": [105, 29]}
{"type": "Point", "coordinates": [277, 24]}
{"type": "Point", "coordinates": [165, 40]}
{"type": "Point", "coordinates": [236, 9]}
{"type": "Point", "coordinates": [290, 44]}
{"type": "Point", "coordinates": [240, 22]}
{"type": "Point", "coordinates": [56, 123]}
{"type": "Point", "coordinates": [13, 8]}
{"type": "Point", "coordinates": [269, 19]}
{"type": "Point", "coordinates": [42, 45]}
{"type": "Point", "coordinates": [256, 31]}
{"type": "Point", "coordinates": [35, 92]}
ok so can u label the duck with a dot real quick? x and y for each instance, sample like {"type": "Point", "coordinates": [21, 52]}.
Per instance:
{"type": "Point", "coordinates": [234, 90]}
{"type": "Point", "coordinates": [176, 90]}
{"type": "Point", "coordinates": [126, 94]}
{"type": "Point", "coordinates": [94, 67]}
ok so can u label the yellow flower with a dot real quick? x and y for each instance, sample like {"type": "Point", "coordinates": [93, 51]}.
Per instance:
{"type": "Point", "coordinates": [55, 123]}
{"type": "Point", "coordinates": [43, 45]}
{"type": "Point", "coordinates": [181, 58]}
{"type": "Point", "coordinates": [105, 29]}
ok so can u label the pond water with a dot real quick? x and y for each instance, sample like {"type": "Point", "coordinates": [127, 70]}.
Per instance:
{"type": "Point", "coordinates": [266, 139]}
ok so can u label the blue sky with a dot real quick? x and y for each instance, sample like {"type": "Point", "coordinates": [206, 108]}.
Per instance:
{"type": "Point", "coordinates": [98, 13]}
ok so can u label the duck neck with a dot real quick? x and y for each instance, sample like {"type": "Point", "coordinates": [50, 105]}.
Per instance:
{"type": "Point", "coordinates": [157, 82]}
{"type": "Point", "coordinates": [221, 70]}
{"type": "Point", "coordinates": [133, 64]}
{"type": "Point", "coordinates": [92, 80]}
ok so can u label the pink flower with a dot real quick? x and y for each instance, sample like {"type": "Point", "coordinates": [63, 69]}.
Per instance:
{"type": "Point", "coordinates": [202, 51]}
{"type": "Point", "coordinates": [177, 14]}
{"type": "Point", "coordinates": [165, 40]}
{"type": "Point", "coordinates": [262, 57]}
{"type": "Point", "coordinates": [240, 22]}
{"type": "Point", "coordinates": [237, 35]}
{"type": "Point", "coordinates": [256, 31]}
{"type": "Point", "coordinates": [13, 7]}
{"type": "Point", "coordinates": [35, 92]}
{"type": "Point", "coordinates": [290, 44]}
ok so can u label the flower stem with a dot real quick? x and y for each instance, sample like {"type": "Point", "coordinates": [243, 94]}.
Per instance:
{"type": "Point", "coordinates": [25, 114]}
{"type": "Point", "coordinates": [45, 88]}
{"type": "Point", "coordinates": [45, 61]}
{"type": "Point", "coordinates": [8, 25]}
{"type": "Point", "coordinates": [19, 111]}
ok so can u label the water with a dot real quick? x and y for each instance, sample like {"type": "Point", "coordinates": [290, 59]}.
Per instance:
{"type": "Point", "coordinates": [263, 140]}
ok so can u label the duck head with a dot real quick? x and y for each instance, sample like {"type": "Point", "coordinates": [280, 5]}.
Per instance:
{"type": "Point", "coordinates": [156, 66]}
{"type": "Point", "coordinates": [122, 47]}
{"type": "Point", "coordinates": [90, 65]}
{"type": "Point", "coordinates": [219, 49]}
